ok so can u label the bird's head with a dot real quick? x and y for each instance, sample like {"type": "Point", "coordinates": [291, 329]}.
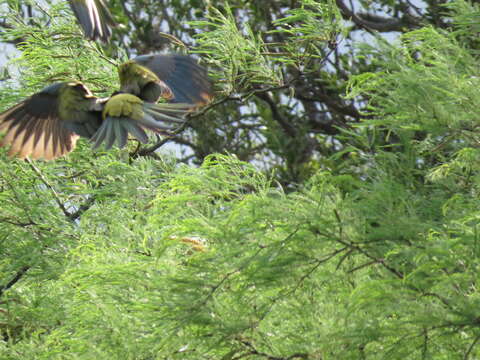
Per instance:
{"type": "Point", "coordinates": [134, 77]}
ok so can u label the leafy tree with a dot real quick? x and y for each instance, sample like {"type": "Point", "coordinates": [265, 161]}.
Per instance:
{"type": "Point", "coordinates": [324, 206]}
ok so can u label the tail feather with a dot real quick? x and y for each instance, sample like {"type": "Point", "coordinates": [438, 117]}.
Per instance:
{"type": "Point", "coordinates": [171, 107]}
{"type": "Point", "coordinates": [166, 112]}
{"type": "Point", "coordinates": [99, 136]}
{"type": "Point", "coordinates": [115, 129]}
{"type": "Point", "coordinates": [156, 117]}
{"type": "Point", "coordinates": [154, 123]}
{"type": "Point", "coordinates": [136, 131]}
{"type": "Point", "coordinates": [121, 134]}
{"type": "Point", "coordinates": [110, 135]}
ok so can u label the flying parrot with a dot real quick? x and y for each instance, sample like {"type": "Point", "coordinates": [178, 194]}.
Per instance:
{"type": "Point", "coordinates": [94, 18]}
{"type": "Point", "coordinates": [47, 124]}
{"type": "Point", "coordinates": [172, 77]}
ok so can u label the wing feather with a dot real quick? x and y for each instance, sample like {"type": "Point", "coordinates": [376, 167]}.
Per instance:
{"type": "Point", "coordinates": [94, 18]}
{"type": "Point", "coordinates": [187, 80]}
{"type": "Point", "coordinates": [33, 128]}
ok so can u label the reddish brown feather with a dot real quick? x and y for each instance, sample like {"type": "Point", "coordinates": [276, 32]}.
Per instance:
{"type": "Point", "coordinates": [36, 136]}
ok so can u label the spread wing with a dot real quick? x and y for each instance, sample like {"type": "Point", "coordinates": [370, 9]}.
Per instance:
{"type": "Point", "coordinates": [32, 128]}
{"type": "Point", "coordinates": [36, 129]}
{"type": "Point", "coordinates": [94, 18]}
{"type": "Point", "coordinates": [187, 81]}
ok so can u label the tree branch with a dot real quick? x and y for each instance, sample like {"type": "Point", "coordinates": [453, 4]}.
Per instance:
{"type": "Point", "coordinates": [371, 22]}
{"type": "Point", "coordinates": [49, 186]}
{"type": "Point", "coordinates": [15, 279]}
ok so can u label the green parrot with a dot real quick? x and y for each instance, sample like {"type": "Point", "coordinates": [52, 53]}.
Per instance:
{"type": "Point", "coordinates": [47, 124]}
{"type": "Point", "coordinates": [175, 77]}
{"type": "Point", "coordinates": [94, 18]}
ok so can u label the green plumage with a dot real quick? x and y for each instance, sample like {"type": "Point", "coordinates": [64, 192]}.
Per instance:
{"type": "Point", "coordinates": [176, 78]}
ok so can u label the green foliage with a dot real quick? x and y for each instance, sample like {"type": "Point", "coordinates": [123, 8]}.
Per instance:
{"type": "Point", "coordinates": [424, 77]}
{"type": "Point", "coordinates": [241, 59]}
{"type": "Point", "coordinates": [309, 26]}
{"type": "Point", "coordinates": [55, 52]}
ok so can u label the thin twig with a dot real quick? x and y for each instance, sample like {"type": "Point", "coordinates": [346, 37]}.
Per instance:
{"type": "Point", "coordinates": [49, 186]}
{"type": "Point", "coordinates": [254, 351]}
{"type": "Point", "coordinates": [15, 279]}
{"type": "Point", "coordinates": [470, 348]}
{"type": "Point", "coordinates": [84, 207]}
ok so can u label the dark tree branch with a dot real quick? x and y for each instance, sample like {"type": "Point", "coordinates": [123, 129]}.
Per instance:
{"type": "Point", "coordinates": [84, 207]}
{"type": "Point", "coordinates": [49, 186]}
{"type": "Point", "coordinates": [371, 22]}
{"type": "Point", "coordinates": [286, 125]}
{"type": "Point", "coordinates": [254, 351]}
{"type": "Point", "coordinates": [470, 348]}
{"type": "Point", "coordinates": [15, 279]}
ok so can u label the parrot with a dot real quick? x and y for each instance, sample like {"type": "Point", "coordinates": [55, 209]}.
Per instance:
{"type": "Point", "coordinates": [94, 18]}
{"type": "Point", "coordinates": [48, 123]}
{"type": "Point", "coordinates": [151, 76]}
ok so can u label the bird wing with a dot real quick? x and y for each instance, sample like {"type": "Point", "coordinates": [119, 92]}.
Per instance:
{"type": "Point", "coordinates": [32, 128]}
{"type": "Point", "coordinates": [36, 128]}
{"type": "Point", "coordinates": [187, 81]}
{"type": "Point", "coordinates": [94, 18]}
